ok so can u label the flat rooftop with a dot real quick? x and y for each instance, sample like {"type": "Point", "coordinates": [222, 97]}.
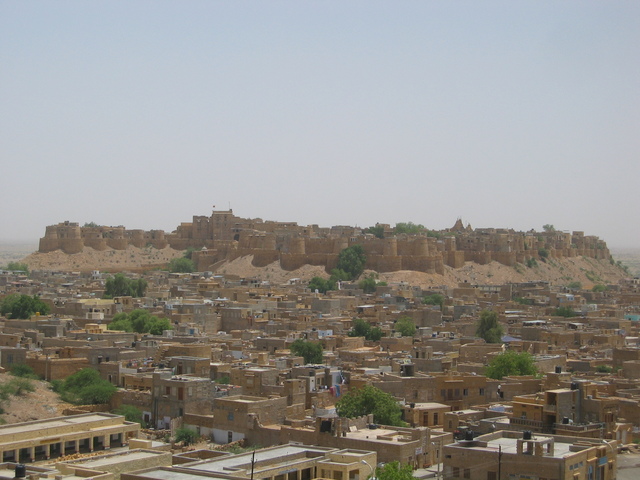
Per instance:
{"type": "Point", "coordinates": [228, 464]}
{"type": "Point", "coordinates": [40, 425]}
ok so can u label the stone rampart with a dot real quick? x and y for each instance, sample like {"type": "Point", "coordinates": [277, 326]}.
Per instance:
{"type": "Point", "coordinates": [227, 237]}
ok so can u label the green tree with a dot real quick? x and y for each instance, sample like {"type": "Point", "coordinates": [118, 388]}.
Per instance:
{"type": "Point", "coordinates": [310, 351]}
{"type": "Point", "coordinates": [362, 328]}
{"type": "Point", "coordinates": [370, 400]}
{"type": "Point", "coordinates": [394, 471]}
{"type": "Point", "coordinates": [85, 387]}
{"type": "Point", "coordinates": [405, 327]}
{"type": "Point", "coordinates": [599, 288]}
{"type": "Point", "coordinates": [408, 227]}
{"type": "Point", "coordinates": [139, 321]}
{"type": "Point", "coordinates": [17, 306]}
{"type": "Point", "coordinates": [121, 323]}
{"type": "Point", "coordinates": [433, 299]}
{"type": "Point", "coordinates": [131, 414]}
{"type": "Point", "coordinates": [90, 225]}
{"type": "Point", "coordinates": [375, 334]}
{"type": "Point", "coordinates": [566, 312]}
{"type": "Point", "coordinates": [488, 327]}
{"type": "Point", "coordinates": [543, 253]}
{"type": "Point", "coordinates": [96, 394]}
{"type": "Point", "coordinates": [18, 267]}
{"type": "Point", "coordinates": [181, 265]}
{"type": "Point", "coordinates": [575, 285]}
{"type": "Point", "coordinates": [378, 230]}
{"type": "Point", "coordinates": [369, 283]}
{"type": "Point", "coordinates": [121, 286]}
{"type": "Point", "coordinates": [548, 228]}
{"type": "Point", "coordinates": [186, 435]}
{"type": "Point", "coordinates": [320, 284]}
{"type": "Point", "coordinates": [352, 261]}
{"type": "Point", "coordinates": [511, 363]}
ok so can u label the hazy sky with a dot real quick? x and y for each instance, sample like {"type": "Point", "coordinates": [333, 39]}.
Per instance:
{"type": "Point", "coordinates": [145, 113]}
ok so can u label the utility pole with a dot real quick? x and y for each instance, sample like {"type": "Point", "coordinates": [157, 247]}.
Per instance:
{"type": "Point", "coordinates": [499, 461]}
{"type": "Point", "coordinates": [253, 462]}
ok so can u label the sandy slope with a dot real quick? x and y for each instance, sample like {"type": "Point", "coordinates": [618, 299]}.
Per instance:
{"type": "Point", "coordinates": [133, 258]}
{"type": "Point", "coordinates": [559, 272]}
{"type": "Point", "coordinates": [39, 404]}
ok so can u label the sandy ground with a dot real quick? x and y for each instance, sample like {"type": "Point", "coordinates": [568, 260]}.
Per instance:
{"type": "Point", "coordinates": [559, 272]}
{"type": "Point", "coordinates": [37, 405]}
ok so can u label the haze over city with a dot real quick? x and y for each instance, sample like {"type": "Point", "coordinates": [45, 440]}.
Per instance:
{"type": "Point", "coordinates": [505, 114]}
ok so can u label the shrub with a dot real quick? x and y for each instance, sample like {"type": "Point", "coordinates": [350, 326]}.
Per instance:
{"type": "Point", "coordinates": [23, 370]}
{"type": "Point", "coordinates": [131, 414]}
{"type": "Point", "coordinates": [511, 363]}
{"type": "Point", "coordinates": [186, 435]}
{"type": "Point", "coordinates": [566, 312]}
{"type": "Point", "coordinates": [434, 299]}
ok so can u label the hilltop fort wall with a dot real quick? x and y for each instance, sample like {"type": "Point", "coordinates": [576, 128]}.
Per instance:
{"type": "Point", "coordinates": [224, 236]}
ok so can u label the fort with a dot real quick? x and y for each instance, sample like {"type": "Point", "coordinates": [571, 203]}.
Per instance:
{"type": "Point", "coordinates": [224, 236]}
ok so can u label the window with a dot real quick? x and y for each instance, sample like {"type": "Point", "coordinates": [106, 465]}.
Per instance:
{"type": "Point", "coordinates": [465, 392]}
{"type": "Point", "coordinates": [456, 471]}
{"type": "Point", "coordinates": [482, 392]}
{"type": "Point", "coordinates": [467, 473]}
{"type": "Point", "coordinates": [230, 416]}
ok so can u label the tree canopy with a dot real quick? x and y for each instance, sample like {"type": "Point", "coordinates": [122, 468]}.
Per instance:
{"type": "Point", "coordinates": [369, 283]}
{"type": "Point", "coordinates": [408, 227]}
{"type": "Point", "coordinates": [433, 299]}
{"type": "Point", "coordinates": [352, 261]}
{"type": "Point", "coordinates": [131, 413]}
{"type": "Point", "coordinates": [139, 321]}
{"type": "Point", "coordinates": [310, 351]}
{"type": "Point", "coordinates": [121, 286]}
{"type": "Point", "coordinates": [488, 327]}
{"type": "Point", "coordinates": [85, 387]}
{"type": "Point", "coordinates": [17, 267]}
{"type": "Point", "coordinates": [394, 471]}
{"type": "Point", "coordinates": [378, 230]}
{"type": "Point", "coordinates": [324, 285]}
{"type": "Point", "coordinates": [566, 312]}
{"type": "Point", "coordinates": [405, 327]}
{"type": "Point", "coordinates": [511, 363]}
{"type": "Point", "coordinates": [362, 328]}
{"type": "Point", "coordinates": [17, 306]}
{"type": "Point", "coordinates": [182, 265]}
{"type": "Point", "coordinates": [371, 400]}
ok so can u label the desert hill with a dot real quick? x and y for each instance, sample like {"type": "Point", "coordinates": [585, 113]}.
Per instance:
{"type": "Point", "coordinates": [587, 271]}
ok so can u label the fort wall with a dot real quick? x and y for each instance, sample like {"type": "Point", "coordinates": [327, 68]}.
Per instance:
{"type": "Point", "coordinates": [224, 236]}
